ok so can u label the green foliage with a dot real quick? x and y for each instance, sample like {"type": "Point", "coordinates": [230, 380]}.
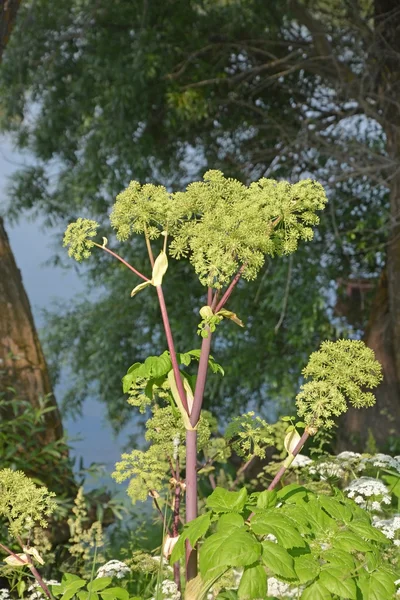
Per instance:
{"type": "Point", "coordinates": [323, 545]}
{"type": "Point", "coordinates": [249, 435]}
{"type": "Point", "coordinates": [72, 586]}
{"type": "Point", "coordinates": [23, 503]}
{"type": "Point", "coordinates": [85, 538]}
{"type": "Point", "coordinates": [340, 371]}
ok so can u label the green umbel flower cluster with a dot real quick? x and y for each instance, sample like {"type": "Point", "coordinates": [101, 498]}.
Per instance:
{"type": "Point", "coordinates": [23, 503]}
{"type": "Point", "coordinates": [249, 435]}
{"type": "Point", "coordinates": [219, 223]}
{"type": "Point", "coordinates": [149, 470]}
{"type": "Point", "coordinates": [77, 237]}
{"type": "Point", "coordinates": [341, 371]}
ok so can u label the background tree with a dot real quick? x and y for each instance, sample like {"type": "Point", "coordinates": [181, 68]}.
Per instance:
{"type": "Point", "coordinates": [23, 369]}
{"type": "Point", "coordinates": [164, 90]}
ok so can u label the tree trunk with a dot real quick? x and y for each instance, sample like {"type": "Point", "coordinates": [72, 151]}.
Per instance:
{"type": "Point", "coordinates": [383, 419]}
{"type": "Point", "coordinates": [22, 363]}
{"type": "Point", "coordinates": [383, 331]}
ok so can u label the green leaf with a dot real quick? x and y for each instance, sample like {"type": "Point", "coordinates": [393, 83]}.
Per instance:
{"type": "Point", "coordinates": [230, 521]}
{"type": "Point", "coordinates": [292, 493]}
{"type": "Point", "coordinates": [192, 531]}
{"type": "Point", "coordinates": [222, 500]}
{"type": "Point", "coordinates": [339, 558]}
{"type": "Point", "coordinates": [253, 583]}
{"type": "Point", "coordinates": [267, 499]}
{"type": "Point", "coordinates": [349, 541]}
{"type": "Point", "coordinates": [316, 591]}
{"type": "Point", "coordinates": [335, 509]}
{"type": "Point", "coordinates": [159, 269]}
{"type": "Point", "coordinates": [280, 526]}
{"type": "Point", "coordinates": [229, 548]}
{"type": "Point", "coordinates": [338, 582]}
{"type": "Point", "coordinates": [215, 367]}
{"type": "Point", "coordinates": [307, 567]}
{"type": "Point", "coordinates": [99, 584]}
{"type": "Point", "coordinates": [157, 366]}
{"type": "Point", "coordinates": [368, 532]}
{"type": "Point", "coordinates": [379, 585]}
{"type": "Point", "coordinates": [278, 560]}
{"type": "Point", "coordinates": [71, 588]}
{"type": "Point", "coordinates": [393, 482]}
{"type": "Point", "coordinates": [140, 287]}
{"type": "Point", "coordinates": [113, 593]}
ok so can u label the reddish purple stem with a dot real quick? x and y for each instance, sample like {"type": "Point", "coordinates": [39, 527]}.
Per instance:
{"type": "Point", "coordinates": [115, 255]}
{"type": "Point", "coordinates": [283, 469]}
{"type": "Point", "coordinates": [230, 289]}
{"type": "Point", "coordinates": [171, 348]}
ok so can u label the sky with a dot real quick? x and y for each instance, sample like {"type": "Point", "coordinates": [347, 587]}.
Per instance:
{"type": "Point", "coordinates": [32, 248]}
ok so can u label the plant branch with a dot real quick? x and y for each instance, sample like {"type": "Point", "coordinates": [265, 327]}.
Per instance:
{"type": "Point", "coordinates": [158, 507]}
{"type": "Point", "coordinates": [115, 255]}
{"type": "Point", "coordinates": [240, 472]}
{"type": "Point", "coordinates": [284, 468]}
{"type": "Point", "coordinates": [171, 348]}
{"type": "Point", "coordinates": [230, 289]}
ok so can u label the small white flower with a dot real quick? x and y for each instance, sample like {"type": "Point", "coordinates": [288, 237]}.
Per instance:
{"type": "Point", "coordinates": [281, 589]}
{"type": "Point", "coordinates": [301, 460]}
{"type": "Point", "coordinates": [113, 568]}
{"type": "Point", "coordinates": [271, 538]}
{"type": "Point", "coordinates": [376, 506]}
{"type": "Point", "coordinates": [359, 500]}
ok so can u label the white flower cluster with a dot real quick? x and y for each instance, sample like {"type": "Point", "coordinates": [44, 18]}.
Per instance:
{"type": "Point", "coordinates": [280, 589]}
{"type": "Point", "coordinates": [169, 590]}
{"type": "Point", "coordinates": [113, 568]}
{"type": "Point", "coordinates": [336, 466]}
{"type": "Point", "coordinates": [300, 461]}
{"type": "Point", "coordinates": [327, 469]}
{"type": "Point", "coordinates": [383, 461]}
{"type": "Point", "coordinates": [36, 592]}
{"type": "Point", "coordinates": [4, 594]}
{"type": "Point", "coordinates": [389, 527]}
{"type": "Point", "coordinates": [368, 492]}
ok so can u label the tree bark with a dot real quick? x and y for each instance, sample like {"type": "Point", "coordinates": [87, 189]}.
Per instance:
{"type": "Point", "coordinates": [383, 419]}
{"type": "Point", "coordinates": [22, 363]}
{"type": "Point", "coordinates": [8, 14]}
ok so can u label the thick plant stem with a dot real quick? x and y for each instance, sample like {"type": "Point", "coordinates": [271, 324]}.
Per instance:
{"type": "Point", "coordinates": [191, 452]}
{"type": "Point", "coordinates": [191, 498]}
{"type": "Point", "coordinates": [171, 348]}
{"type": "Point", "coordinates": [175, 524]}
{"type": "Point", "coordinates": [284, 468]}
{"type": "Point", "coordinates": [201, 379]}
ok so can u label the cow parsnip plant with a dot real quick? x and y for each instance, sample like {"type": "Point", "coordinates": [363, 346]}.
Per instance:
{"type": "Point", "coordinates": [225, 229]}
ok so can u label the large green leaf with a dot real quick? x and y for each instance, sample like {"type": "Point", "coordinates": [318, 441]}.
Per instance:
{"type": "Point", "coordinates": [222, 500]}
{"type": "Point", "coordinates": [292, 493]}
{"type": "Point", "coordinates": [335, 509]}
{"type": "Point", "coordinates": [339, 558]}
{"type": "Point", "coordinates": [306, 567]}
{"type": "Point", "coordinates": [236, 548]}
{"type": "Point", "coordinates": [115, 593]}
{"type": "Point", "coordinates": [378, 585]}
{"type": "Point", "coordinates": [230, 521]}
{"type": "Point", "coordinates": [278, 560]}
{"type": "Point", "coordinates": [267, 499]}
{"type": "Point", "coordinates": [253, 583]}
{"type": "Point", "coordinates": [99, 584]}
{"type": "Point", "coordinates": [280, 526]}
{"type": "Point", "coordinates": [368, 532]}
{"type": "Point", "coordinates": [349, 541]}
{"type": "Point", "coordinates": [316, 591]}
{"type": "Point", "coordinates": [338, 582]}
{"type": "Point", "coordinates": [192, 531]}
